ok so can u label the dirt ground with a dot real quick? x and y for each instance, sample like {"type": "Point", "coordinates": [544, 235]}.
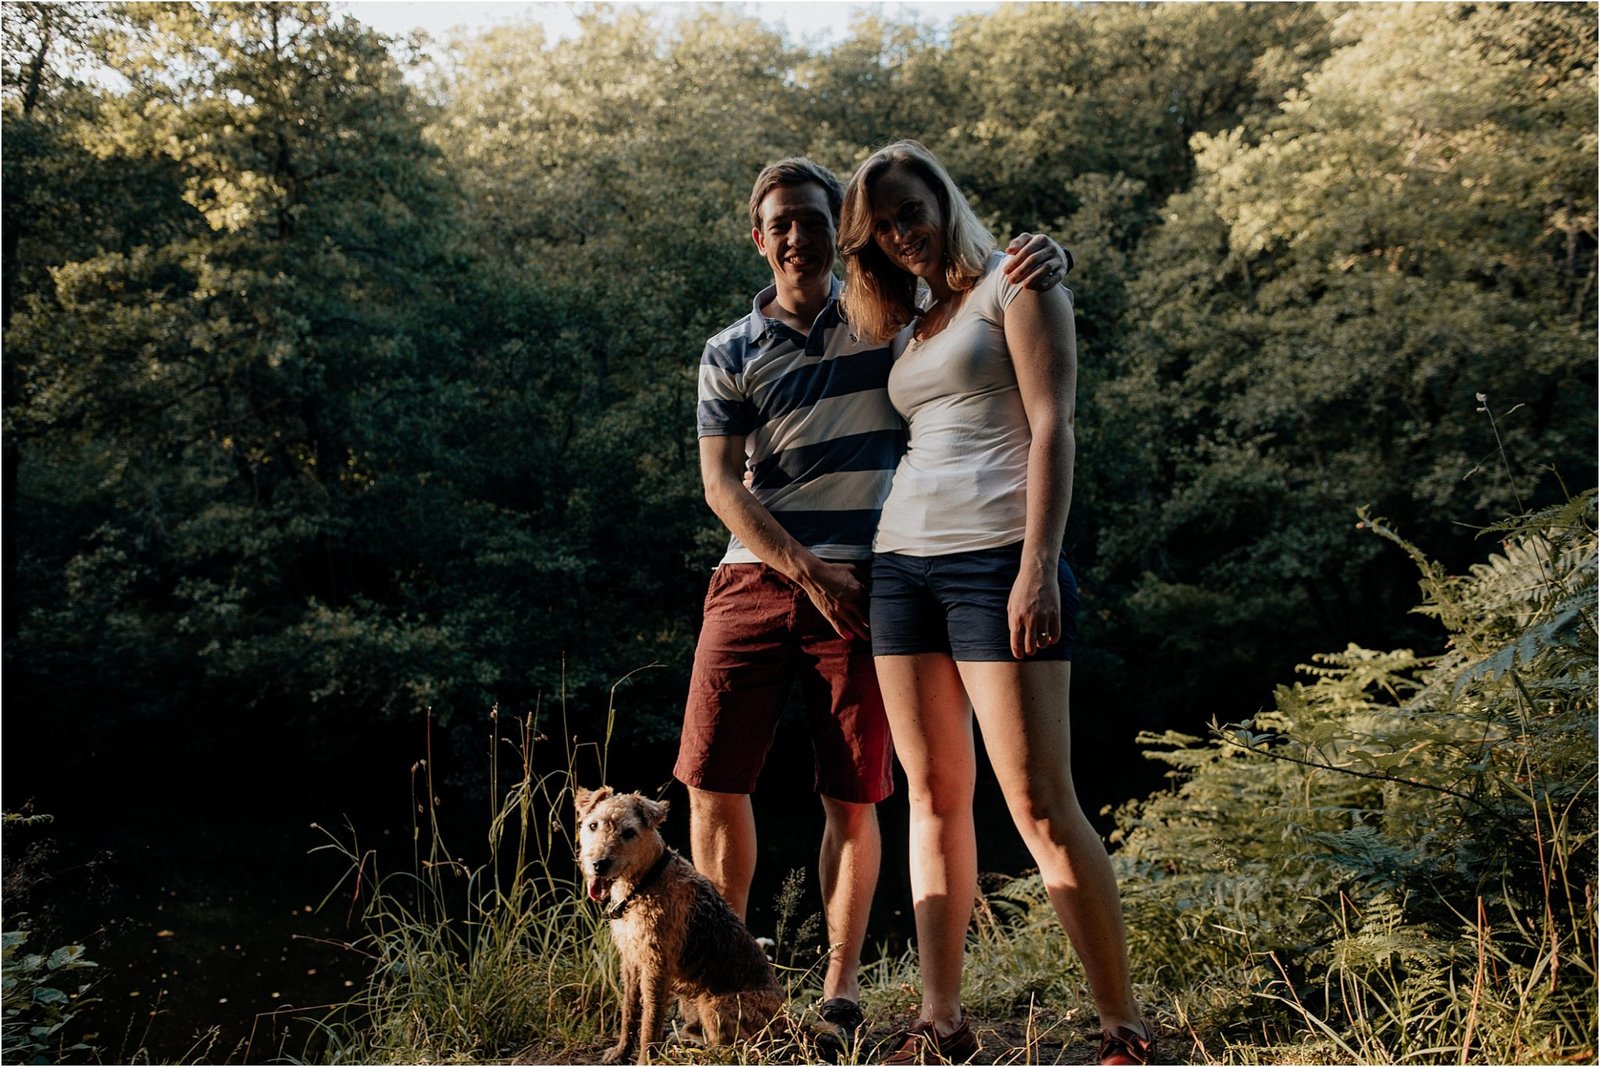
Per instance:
{"type": "Point", "coordinates": [1002, 1042]}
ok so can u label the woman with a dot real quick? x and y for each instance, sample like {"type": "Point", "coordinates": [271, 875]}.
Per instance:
{"type": "Point", "coordinates": [972, 599]}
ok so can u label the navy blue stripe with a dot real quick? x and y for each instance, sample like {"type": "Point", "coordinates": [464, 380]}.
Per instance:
{"type": "Point", "coordinates": [733, 418]}
{"type": "Point", "coordinates": [831, 316]}
{"type": "Point", "coordinates": [730, 359]}
{"type": "Point", "coordinates": [830, 527]}
{"type": "Point", "coordinates": [805, 386]}
{"type": "Point", "coordinates": [878, 450]}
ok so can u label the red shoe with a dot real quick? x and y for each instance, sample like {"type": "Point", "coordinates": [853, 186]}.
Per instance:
{"type": "Point", "coordinates": [1125, 1046]}
{"type": "Point", "coordinates": [922, 1044]}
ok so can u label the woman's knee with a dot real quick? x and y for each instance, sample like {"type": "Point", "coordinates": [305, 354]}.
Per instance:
{"type": "Point", "coordinates": [1048, 811]}
{"type": "Point", "coordinates": [939, 784]}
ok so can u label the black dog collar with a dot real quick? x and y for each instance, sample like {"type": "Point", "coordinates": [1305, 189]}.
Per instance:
{"type": "Point", "coordinates": [616, 910]}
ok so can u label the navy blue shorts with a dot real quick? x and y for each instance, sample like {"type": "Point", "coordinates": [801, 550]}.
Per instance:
{"type": "Point", "coordinates": [956, 605]}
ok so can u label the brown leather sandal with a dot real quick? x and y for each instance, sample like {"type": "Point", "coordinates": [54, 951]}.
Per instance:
{"type": "Point", "coordinates": [1124, 1046]}
{"type": "Point", "coordinates": [922, 1044]}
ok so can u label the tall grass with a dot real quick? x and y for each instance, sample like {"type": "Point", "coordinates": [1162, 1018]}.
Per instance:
{"type": "Point", "coordinates": [472, 963]}
{"type": "Point", "coordinates": [505, 960]}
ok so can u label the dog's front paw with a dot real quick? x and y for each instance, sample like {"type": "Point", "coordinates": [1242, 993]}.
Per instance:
{"type": "Point", "coordinates": [615, 1054]}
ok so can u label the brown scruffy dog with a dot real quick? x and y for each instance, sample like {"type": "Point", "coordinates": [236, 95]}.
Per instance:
{"type": "Point", "coordinates": [675, 933]}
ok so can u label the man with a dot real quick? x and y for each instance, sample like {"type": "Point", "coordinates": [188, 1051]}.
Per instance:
{"type": "Point", "coordinates": [789, 396]}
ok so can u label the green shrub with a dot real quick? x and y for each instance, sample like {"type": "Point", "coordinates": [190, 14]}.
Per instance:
{"type": "Point", "coordinates": [38, 991]}
{"type": "Point", "coordinates": [37, 1007]}
{"type": "Point", "coordinates": [1397, 863]}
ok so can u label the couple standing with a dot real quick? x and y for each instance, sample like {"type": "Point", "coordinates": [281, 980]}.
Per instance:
{"type": "Point", "coordinates": [957, 533]}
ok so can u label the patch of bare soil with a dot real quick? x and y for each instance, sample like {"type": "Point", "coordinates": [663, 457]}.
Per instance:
{"type": "Point", "coordinates": [1004, 1041]}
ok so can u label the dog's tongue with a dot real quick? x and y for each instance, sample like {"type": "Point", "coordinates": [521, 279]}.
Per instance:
{"type": "Point", "coordinates": [599, 889]}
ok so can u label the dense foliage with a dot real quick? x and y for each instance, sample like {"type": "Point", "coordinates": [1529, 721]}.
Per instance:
{"type": "Point", "coordinates": [1397, 864]}
{"type": "Point", "coordinates": [335, 391]}
{"type": "Point", "coordinates": [37, 989]}
{"type": "Point", "coordinates": [1401, 856]}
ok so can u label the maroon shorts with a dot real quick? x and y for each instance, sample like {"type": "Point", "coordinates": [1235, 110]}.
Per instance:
{"type": "Point", "coordinates": [761, 635]}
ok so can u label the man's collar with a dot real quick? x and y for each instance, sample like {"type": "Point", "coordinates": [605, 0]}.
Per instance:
{"type": "Point", "coordinates": [762, 325]}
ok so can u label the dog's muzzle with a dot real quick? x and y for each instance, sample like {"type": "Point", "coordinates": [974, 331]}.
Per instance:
{"type": "Point", "coordinates": [599, 884]}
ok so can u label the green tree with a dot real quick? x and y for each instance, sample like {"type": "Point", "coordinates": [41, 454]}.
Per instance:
{"type": "Point", "coordinates": [873, 87]}
{"type": "Point", "coordinates": [221, 412]}
{"type": "Point", "coordinates": [1036, 95]}
{"type": "Point", "coordinates": [330, 395]}
{"type": "Point", "coordinates": [1316, 323]}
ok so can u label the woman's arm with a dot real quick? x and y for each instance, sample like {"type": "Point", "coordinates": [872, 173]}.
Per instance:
{"type": "Point", "coordinates": [1044, 350]}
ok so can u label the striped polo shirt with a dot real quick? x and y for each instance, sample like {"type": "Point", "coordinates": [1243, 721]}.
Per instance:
{"type": "Point", "coordinates": [821, 438]}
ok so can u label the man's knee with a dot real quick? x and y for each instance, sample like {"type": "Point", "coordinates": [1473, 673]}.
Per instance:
{"type": "Point", "coordinates": [722, 827]}
{"type": "Point", "coordinates": [848, 820]}
{"type": "Point", "coordinates": [718, 807]}
{"type": "Point", "coordinates": [722, 843]}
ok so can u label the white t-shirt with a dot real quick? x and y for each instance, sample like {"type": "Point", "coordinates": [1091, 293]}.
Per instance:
{"type": "Point", "coordinates": [961, 485]}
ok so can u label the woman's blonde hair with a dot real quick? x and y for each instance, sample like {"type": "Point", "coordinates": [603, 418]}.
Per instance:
{"type": "Point", "coordinates": [879, 297]}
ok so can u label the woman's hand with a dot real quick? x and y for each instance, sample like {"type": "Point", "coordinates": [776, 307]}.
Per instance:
{"type": "Point", "coordinates": [1034, 610]}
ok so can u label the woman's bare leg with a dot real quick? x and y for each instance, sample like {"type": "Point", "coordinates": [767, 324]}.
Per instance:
{"type": "Point", "coordinates": [1023, 710]}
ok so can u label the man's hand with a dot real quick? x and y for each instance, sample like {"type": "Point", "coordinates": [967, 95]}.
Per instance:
{"type": "Point", "coordinates": [1036, 261]}
{"type": "Point", "coordinates": [832, 587]}
{"type": "Point", "coordinates": [839, 595]}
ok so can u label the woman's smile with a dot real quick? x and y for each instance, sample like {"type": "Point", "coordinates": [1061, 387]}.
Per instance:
{"type": "Point", "coordinates": [910, 252]}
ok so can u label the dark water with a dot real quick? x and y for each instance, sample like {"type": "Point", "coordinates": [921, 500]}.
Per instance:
{"type": "Point", "coordinates": [222, 922]}
{"type": "Point", "coordinates": [207, 921]}
{"type": "Point", "coordinates": [209, 944]}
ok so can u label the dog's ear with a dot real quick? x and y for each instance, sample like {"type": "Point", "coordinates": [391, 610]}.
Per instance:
{"type": "Point", "coordinates": [653, 811]}
{"type": "Point", "coordinates": [584, 799]}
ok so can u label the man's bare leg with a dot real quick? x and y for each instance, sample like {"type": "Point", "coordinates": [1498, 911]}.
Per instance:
{"type": "Point", "coordinates": [851, 852]}
{"type": "Point", "coordinates": [722, 843]}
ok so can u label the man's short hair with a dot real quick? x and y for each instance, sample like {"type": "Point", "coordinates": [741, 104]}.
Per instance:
{"type": "Point", "coordinates": [796, 170]}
